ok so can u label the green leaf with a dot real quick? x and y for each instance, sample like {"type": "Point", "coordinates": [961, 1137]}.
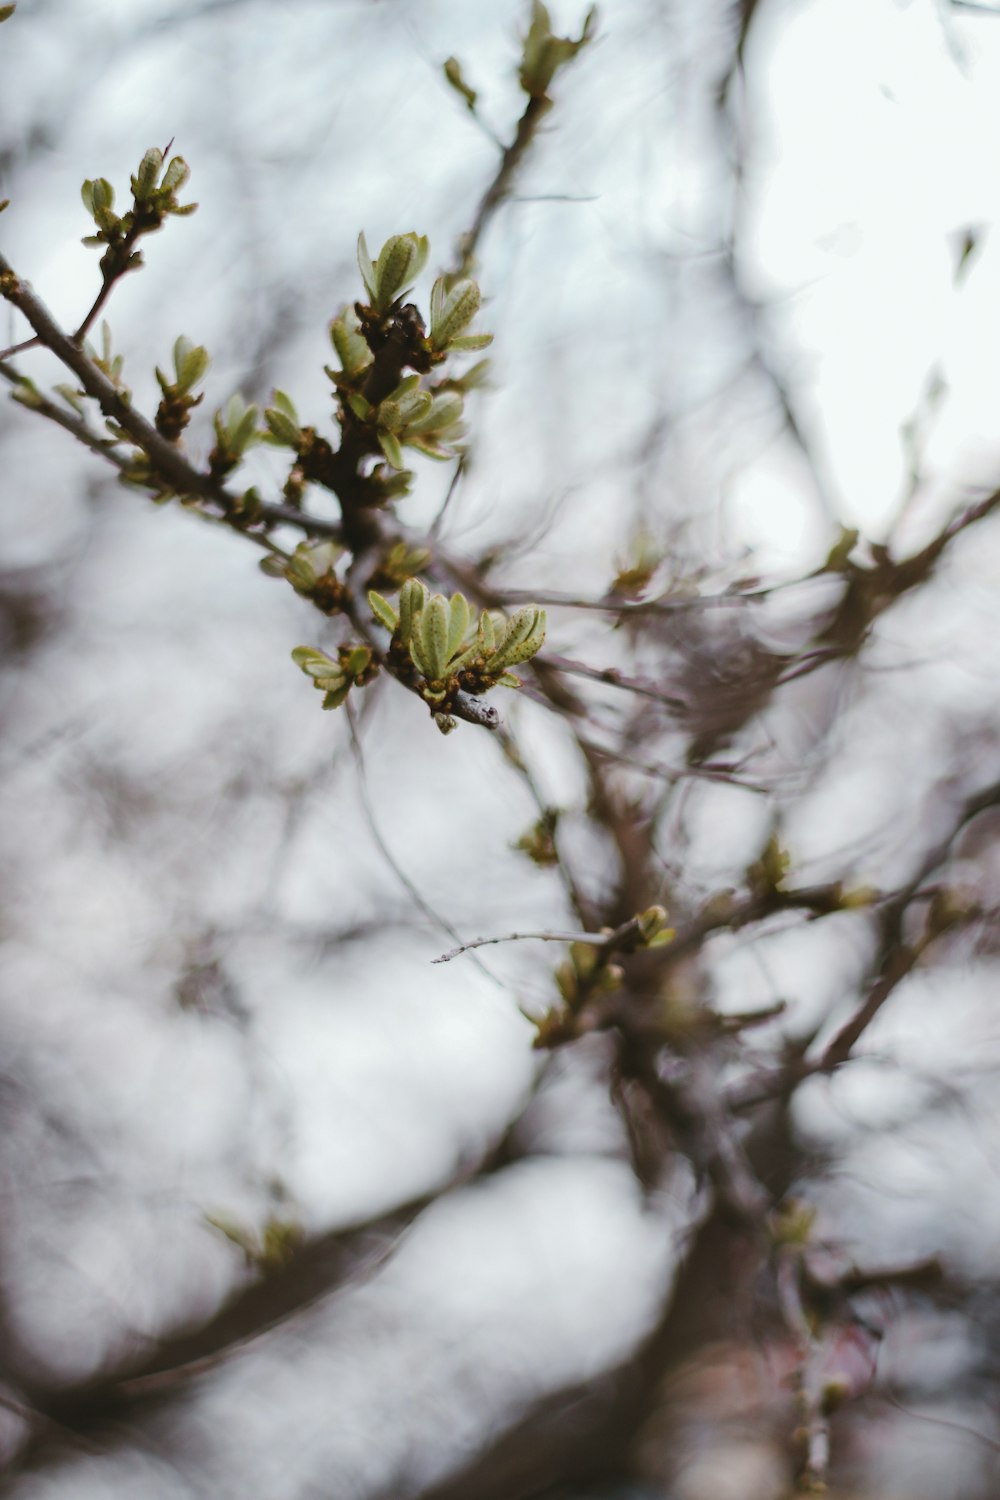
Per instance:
{"type": "Point", "coordinates": [457, 311]}
{"type": "Point", "coordinates": [315, 663]}
{"type": "Point", "coordinates": [523, 636]}
{"type": "Point", "coordinates": [458, 622]}
{"type": "Point", "coordinates": [98, 198]}
{"type": "Point", "coordinates": [284, 403]}
{"type": "Point", "coordinates": [467, 343]}
{"type": "Point", "coordinates": [434, 623]}
{"type": "Point", "coordinates": [391, 485]}
{"type": "Point", "coordinates": [439, 293]}
{"type": "Point", "coordinates": [418, 658]}
{"type": "Point", "coordinates": [175, 177]}
{"type": "Point", "coordinates": [452, 70]}
{"type": "Point", "coordinates": [235, 1233]}
{"type": "Point", "coordinates": [479, 372]}
{"type": "Point", "coordinates": [443, 410]}
{"type": "Point", "coordinates": [406, 406]}
{"type": "Point", "coordinates": [412, 598]}
{"type": "Point", "coordinates": [72, 396]}
{"type": "Point", "coordinates": [245, 433]}
{"type": "Point", "coordinates": [391, 268]}
{"type": "Point", "coordinates": [566, 981]}
{"type": "Point", "coordinates": [356, 660]}
{"type": "Point", "coordinates": [662, 939]}
{"type": "Point", "coordinates": [544, 54]}
{"type": "Point", "coordinates": [383, 610]}
{"type": "Point", "coordinates": [352, 351]}
{"type": "Point", "coordinates": [190, 362]}
{"type": "Point", "coordinates": [486, 633]}
{"type": "Point", "coordinates": [6, 11]}
{"type": "Point", "coordinates": [145, 180]}
{"type": "Point", "coordinates": [336, 696]}
{"type": "Point", "coordinates": [283, 429]}
{"type": "Point", "coordinates": [429, 446]}
{"type": "Point", "coordinates": [26, 393]}
{"type": "Point", "coordinates": [366, 267]}
{"type": "Point", "coordinates": [389, 443]}
{"type": "Point", "coordinates": [651, 922]}
{"type": "Point", "coordinates": [399, 263]}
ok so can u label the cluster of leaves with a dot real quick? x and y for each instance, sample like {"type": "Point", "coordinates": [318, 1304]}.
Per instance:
{"type": "Point", "coordinates": [545, 53]}
{"type": "Point", "coordinates": [436, 648]}
{"type": "Point", "coordinates": [353, 666]}
{"type": "Point", "coordinates": [154, 199]}
{"type": "Point", "coordinates": [386, 335]}
{"type": "Point", "coordinates": [542, 55]}
{"type": "Point", "coordinates": [390, 396]}
{"type": "Point", "coordinates": [437, 644]}
{"type": "Point", "coordinates": [178, 400]}
{"type": "Point", "coordinates": [312, 572]}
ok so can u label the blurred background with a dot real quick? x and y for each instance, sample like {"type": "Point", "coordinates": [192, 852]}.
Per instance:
{"type": "Point", "coordinates": [745, 295]}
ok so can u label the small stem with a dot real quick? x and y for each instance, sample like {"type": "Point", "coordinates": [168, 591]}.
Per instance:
{"type": "Point", "coordinates": [500, 187]}
{"type": "Point", "coordinates": [111, 280]}
{"type": "Point", "coordinates": [19, 348]}
{"type": "Point", "coordinates": [622, 937]}
{"type": "Point", "coordinates": [598, 939]}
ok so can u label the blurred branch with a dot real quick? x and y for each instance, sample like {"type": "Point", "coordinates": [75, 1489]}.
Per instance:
{"type": "Point", "coordinates": [316, 1269]}
{"type": "Point", "coordinates": [622, 940]}
{"type": "Point", "coordinates": [499, 189]}
{"type": "Point", "coordinates": [896, 958]}
{"type": "Point", "coordinates": [410, 887]}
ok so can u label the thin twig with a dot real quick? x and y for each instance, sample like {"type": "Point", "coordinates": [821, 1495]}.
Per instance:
{"type": "Point", "coordinates": [625, 936]}
{"type": "Point", "coordinates": [412, 890]}
{"type": "Point", "coordinates": [19, 348]}
{"type": "Point", "coordinates": [598, 939]}
{"type": "Point", "coordinates": [167, 459]}
{"type": "Point", "coordinates": [614, 677]}
{"type": "Point", "coordinates": [499, 189]}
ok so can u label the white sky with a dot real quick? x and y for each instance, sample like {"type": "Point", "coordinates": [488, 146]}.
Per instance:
{"type": "Point", "coordinates": [878, 145]}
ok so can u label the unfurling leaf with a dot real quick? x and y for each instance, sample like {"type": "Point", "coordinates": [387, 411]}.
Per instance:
{"type": "Point", "coordinates": [389, 443]}
{"type": "Point", "coordinates": [453, 310]}
{"type": "Point", "coordinates": [282, 428]}
{"type": "Point", "coordinates": [383, 610]}
{"type": "Point", "coordinates": [458, 622]}
{"type": "Point", "coordinates": [315, 663]}
{"type": "Point", "coordinates": [352, 351]}
{"type": "Point", "coordinates": [176, 175]}
{"type": "Point", "coordinates": [434, 620]}
{"type": "Point", "coordinates": [412, 597]}
{"type": "Point", "coordinates": [522, 638]}
{"type": "Point", "coordinates": [366, 267]}
{"type": "Point", "coordinates": [544, 54]}
{"type": "Point", "coordinates": [399, 263]}
{"type": "Point", "coordinates": [145, 180]}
